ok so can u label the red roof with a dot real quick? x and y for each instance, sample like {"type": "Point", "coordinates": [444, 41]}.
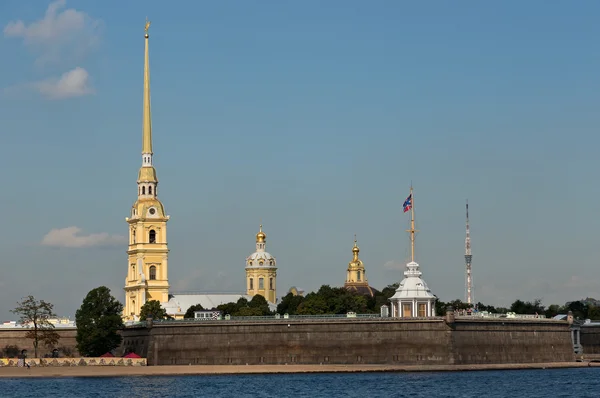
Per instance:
{"type": "Point", "coordinates": [132, 355]}
{"type": "Point", "coordinates": [107, 355]}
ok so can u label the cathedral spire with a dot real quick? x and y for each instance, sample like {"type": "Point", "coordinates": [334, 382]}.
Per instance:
{"type": "Point", "coordinates": [147, 181]}
{"type": "Point", "coordinates": [147, 115]}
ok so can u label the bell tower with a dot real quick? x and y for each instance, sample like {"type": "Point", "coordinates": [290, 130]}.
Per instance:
{"type": "Point", "coordinates": [355, 275]}
{"type": "Point", "coordinates": [147, 274]}
{"type": "Point", "coordinates": [261, 270]}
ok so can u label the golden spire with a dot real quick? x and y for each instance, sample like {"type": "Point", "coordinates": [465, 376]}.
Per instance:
{"type": "Point", "coordinates": [412, 229]}
{"type": "Point", "coordinates": [261, 236]}
{"type": "Point", "coordinates": [147, 117]}
{"type": "Point", "coordinates": [355, 250]}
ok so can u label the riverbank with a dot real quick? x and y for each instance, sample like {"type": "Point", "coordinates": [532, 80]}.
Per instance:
{"type": "Point", "coordinates": [115, 371]}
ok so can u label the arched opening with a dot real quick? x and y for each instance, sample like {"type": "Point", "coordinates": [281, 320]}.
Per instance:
{"type": "Point", "coordinates": [152, 236]}
{"type": "Point", "coordinates": [271, 262]}
{"type": "Point", "coordinates": [143, 190]}
{"type": "Point", "coordinates": [152, 273]}
{"type": "Point", "coordinates": [251, 283]}
{"type": "Point", "coordinates": [150, 190]}
{"type": "Point", "coordinates": [133, 235]}
{"type": "Point", "coordinates": [261, 283]}
{"type": "Point", "coordinates": [271, 283]}
{"type": "Point", "coordinates": [358, 276]}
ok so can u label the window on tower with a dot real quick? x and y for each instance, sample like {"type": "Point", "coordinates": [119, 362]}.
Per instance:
{"type": "Point", "coordinates": [358, 276]}
{"type": "Point", "coordinates": [152, 273]}
{"type": "Point", "coordinates": [152, 236]}
{"type": "Point", "coordinates": [271, 283]}
{"type": "Point", "coordinates": [143, 190]}
{"type": "Point", "coordinates": [149, 190]}
{"type": "Point", "coordinates": [261, 283]}
{"type": "Point", "coordinates": [251, 283]}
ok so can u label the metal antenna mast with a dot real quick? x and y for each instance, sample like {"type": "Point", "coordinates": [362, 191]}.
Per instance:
{"type": "Point", "coordinates": [468, 257]}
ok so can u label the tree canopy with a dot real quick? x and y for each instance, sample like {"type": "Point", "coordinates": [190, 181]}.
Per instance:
{"type": "Point", "coordinates": [98, 321]}
{"type": "Point", "coordinates": [153, 309]}
{"type": "Point", "coordinates": [338, 300]}
{"type": "Point", "coordinates": [35, 314]}
{"type": "Point", "coordinates": [190, 311]}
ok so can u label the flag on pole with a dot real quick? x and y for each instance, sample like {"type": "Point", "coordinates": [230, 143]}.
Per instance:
{"type": "Point", "coordinates": [407, 203]}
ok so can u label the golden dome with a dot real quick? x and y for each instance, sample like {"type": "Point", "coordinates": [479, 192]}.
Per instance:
{"type": "Point", "coordinates": [261, 236]}
{"type": "Point", "coordinates": [355, 249]}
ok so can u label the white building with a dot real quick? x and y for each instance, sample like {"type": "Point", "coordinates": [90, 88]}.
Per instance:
{"type": "Point", "coordinates": [413, 298]}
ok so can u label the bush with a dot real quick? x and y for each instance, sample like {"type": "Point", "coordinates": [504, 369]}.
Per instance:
{"type": "Point", "coordinates": [10, 351]}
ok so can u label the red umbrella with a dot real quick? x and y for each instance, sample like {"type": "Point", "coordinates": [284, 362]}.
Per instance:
{"type": "Point", "coordinates": [107, 355]}
{"type": "Point", "coordinates": [132, 355]}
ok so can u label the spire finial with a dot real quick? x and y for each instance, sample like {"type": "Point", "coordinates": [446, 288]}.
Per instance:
{"type": "Point", "coordinates": [147, 25]}
{"type": "Point", "coordinates": [147, 114]}
{"type": "Point", "coordinates": [261, 236]}
{"type": "Point", "coordinates": [355, 250]}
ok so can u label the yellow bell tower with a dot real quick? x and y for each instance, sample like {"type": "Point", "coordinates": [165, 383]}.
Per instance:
{"type": "Point", "coordinates": [356, 269]}
{"type": "Point", "coordinates": [261, 270]}
{"type": "Point", "coordinates": [356, 277]}
{"type": "Point", "coordinates": [147, 275]}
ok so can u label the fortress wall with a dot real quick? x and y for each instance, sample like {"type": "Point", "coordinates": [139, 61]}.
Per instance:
{"type": "Point", "coordinates": [477, 341]}
{"type": "Point", "coordinates": [17, 337]}
{"type": "Point", "coordinates": [334, 342]}
{"type": "Point", "coordinates": [590, 339]}
{"type": "Point", "coordinates": [394, 341]}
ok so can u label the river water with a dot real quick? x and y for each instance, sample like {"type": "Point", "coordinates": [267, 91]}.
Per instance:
{"type": "Point", "coordinates": [577, 382]}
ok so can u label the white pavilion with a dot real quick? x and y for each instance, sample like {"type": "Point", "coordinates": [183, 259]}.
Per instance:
{"type": "Point", "coordinates": [413, 298]}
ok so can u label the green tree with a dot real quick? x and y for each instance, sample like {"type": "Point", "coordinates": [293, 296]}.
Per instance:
{"type": "Point", "coordinates": [593, 312]}
{"type": "Point", "coordinates": [190, 311]}
{"type": "Point", "coordinates": [260, 303]}
{"type": "Point", "coordinates": [528, 307]}
{"type": "Point", "coordinates": [440, 307]}
{"type": "Point", "coordinates": [313, 304]}
{"type": "Point", "coordinates": [552, 310]}
{"type": "Point", "coordinates": [98, 321]}
{"type": "Point", "coordinates": [35, 314]}
{"type": "Point", "coordinates": [153, 309]}
{"type": "Point", "coordinates": [249, 311]}
{"type": "Point", "coordinates": [289, 304]}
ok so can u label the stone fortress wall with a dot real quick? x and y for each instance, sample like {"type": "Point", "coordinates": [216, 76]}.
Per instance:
{"type": "Point", "coordinates": [16, 337]}
{"type": "Point", "coordinates": [423, 341]}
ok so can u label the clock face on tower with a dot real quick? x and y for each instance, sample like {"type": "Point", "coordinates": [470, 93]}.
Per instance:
{"type": "Point", "coordinates": [152, 211]}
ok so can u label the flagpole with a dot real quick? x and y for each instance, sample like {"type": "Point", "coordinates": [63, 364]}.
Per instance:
{"type": "Point", "coordinates": [412, 225]}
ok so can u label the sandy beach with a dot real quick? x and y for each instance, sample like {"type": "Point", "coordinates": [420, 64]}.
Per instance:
{"type": "Point", "coordinates": [115, 371]}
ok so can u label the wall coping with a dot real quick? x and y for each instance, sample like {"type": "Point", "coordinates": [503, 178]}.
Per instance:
{"type": "Point", "coordinates": [92, 361]}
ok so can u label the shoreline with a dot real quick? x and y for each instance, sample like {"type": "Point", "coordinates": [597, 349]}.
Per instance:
{"type": "Point", "coordinates": [204, 370]}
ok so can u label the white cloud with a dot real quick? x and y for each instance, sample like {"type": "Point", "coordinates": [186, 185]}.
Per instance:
{"type": "Point", "coordinates": [72, 237]}
{"type": "Point", "coordinates": [73, 83]}
{"type": "Point", "coordinates": [393, 264]}
{"type": "Point", "coordinates": [61, 34]}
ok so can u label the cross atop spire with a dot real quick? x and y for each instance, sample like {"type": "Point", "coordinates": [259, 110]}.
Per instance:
{"type": "Point", "coordinates": [147, 114]}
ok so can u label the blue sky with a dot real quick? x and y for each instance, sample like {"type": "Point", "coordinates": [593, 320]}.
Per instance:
{"type": "Point", "coordinates": [313, 118]}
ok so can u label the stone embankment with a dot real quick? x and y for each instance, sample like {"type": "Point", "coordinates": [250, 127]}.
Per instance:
{"type": "Point", "coordinates": [113, 371]}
